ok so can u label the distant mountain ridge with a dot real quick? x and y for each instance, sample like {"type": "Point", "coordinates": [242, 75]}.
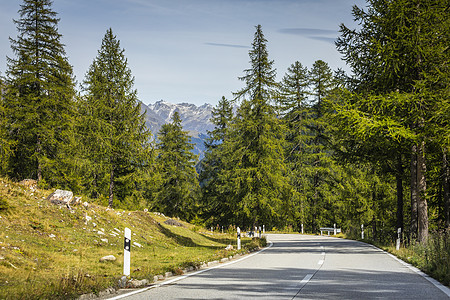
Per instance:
{"type": "Point", "coordinates": [195, 120]}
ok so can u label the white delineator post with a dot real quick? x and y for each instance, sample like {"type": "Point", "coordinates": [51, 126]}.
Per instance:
{"type": "Point", "coordinates": [334, 228]}
{"type": "Point", "coordinates": [126, 252]}
{"type": "Point", "coordinates": [302, 228]}
{"type": "Point", "coordinates": [264, 229]}
{"type": "Point", "coordinates": [399, 233]}
{"type": "Point", "coordinates": [239, 238]}
{"type": "Point", "coordinates": [362, 231]}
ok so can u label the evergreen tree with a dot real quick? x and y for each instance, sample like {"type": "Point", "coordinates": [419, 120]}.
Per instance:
{"type": "Point", "coordinates": [115, 138]}
{"type": "Point", "coordinates": [293, 102]}
{"type": "Point", "coordinates": [320, 170]}
{"type": "Point", "coordinates": [215, 203]}
{"type": "Point", "coordinates": [5, 143]}
{"type": "Point", "coordinates": [255, 176]}
{"type": "Point", "coordinates": [178, 191]}
{"type": "Point", "coordinates": [39, 96]}
{"type": "Point", "coordinates": [294, 91]}
{"type": "Point", "coordinates": [260, 79]}
{"type": "Point", "coordinates": [322, 82]}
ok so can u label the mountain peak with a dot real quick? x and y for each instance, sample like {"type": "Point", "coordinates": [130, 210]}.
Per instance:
{"type": "Point", "coordinates": [193, 117]}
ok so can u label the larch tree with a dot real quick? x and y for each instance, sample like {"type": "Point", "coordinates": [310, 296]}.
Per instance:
{"type": "Point", "coordinates": [112, 128]}
{"type": "Point", "coordinates": [399, 54]}
{"type": "Point", "coordinates": [39, 93]}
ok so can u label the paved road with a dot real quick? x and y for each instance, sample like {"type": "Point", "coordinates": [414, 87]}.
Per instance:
{"type": "Point", "coordinates": [305, 267]}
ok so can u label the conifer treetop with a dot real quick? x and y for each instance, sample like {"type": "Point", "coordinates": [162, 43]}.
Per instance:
{"type": "Point", "coordinates": [260, 78]}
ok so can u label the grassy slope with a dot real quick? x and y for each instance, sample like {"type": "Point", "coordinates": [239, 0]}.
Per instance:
{"type": "Point", "coordinates": [50, 250]}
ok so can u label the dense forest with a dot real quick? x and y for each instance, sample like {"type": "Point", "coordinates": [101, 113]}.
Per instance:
{"type": "Point", "coordinates": [320, 147]}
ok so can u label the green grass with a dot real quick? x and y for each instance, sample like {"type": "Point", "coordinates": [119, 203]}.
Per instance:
{"type": "Point", "coordinates": [432, 258]}
{"type": "Point", "coordinates": [47, 251]}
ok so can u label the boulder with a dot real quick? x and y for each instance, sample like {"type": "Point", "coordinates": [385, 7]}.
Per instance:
{"type": "Point", "coordinates": [61, 197]}
{"type": "Point", "coordinates": [134, 283]}
{"type": "Point", "coordinates": [173, 222]}
{"type": "Point", "coordinates": [108, 258]}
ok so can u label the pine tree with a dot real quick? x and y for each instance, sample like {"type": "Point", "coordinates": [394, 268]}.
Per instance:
{"type": "Point", "coordinates": [178, 191]}
{"type": "Point", "coordinates": [115, 138]}
{"type": "Point", "coordinates": [255, 178]}
{"type": "Point", "coordinates": [39, 94]}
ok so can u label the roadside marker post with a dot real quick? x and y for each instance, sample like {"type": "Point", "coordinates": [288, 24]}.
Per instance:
{"type": "Point", "coordinates": [399, 233]}
{"type": "Point", "coordinates": [334, 228]}
{"type": "Point", "coordinates": [126, 252]}
{"type": "Point", "coordinates": [264, 229]}
{"type": "Point", "coordinates": [239, 238]}
{"type": "Point", "coordinates": [302, 228]}
{"type": "Point", "coordinates": [362, 231]}
{"type": "Point", "coordinates": [259, 231]}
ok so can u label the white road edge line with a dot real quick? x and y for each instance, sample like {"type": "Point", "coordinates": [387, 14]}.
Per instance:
{"type": "Point", "coordinates": [320, 262]}
{"type": "Point", "coordinates": [189, 275]}
{"type": "Point", "coordinates": [436, 283]}
{"type": "Point", "coordinates": [307, 279]}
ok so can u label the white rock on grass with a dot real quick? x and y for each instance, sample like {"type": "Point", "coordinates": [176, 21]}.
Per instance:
{"type": "Point", "coordinates": [137, 244]}
{"type": "Point", "coordinates": [60, 197]}
{"type": "Point", "coordinates": [108, 258]}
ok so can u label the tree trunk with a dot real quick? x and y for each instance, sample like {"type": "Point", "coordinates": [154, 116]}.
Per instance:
{"type": "Point", "coordinates": [446, 190]}
{"type": "Point", "coordinates": [422, 206]}
{"type": "Point", "coordinates": [399, 175]}
{"type": "Point", "coordinates": [413, 225]}
{"type": "Point", "coordinates": [111, 187]}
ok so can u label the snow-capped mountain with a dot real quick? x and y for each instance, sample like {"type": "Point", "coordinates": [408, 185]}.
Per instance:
{"type": "Point", "coordinates": [195, 119]}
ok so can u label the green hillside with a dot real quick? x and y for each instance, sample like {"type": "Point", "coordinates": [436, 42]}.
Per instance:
{"type": "Point", "coordinates": [50, 250]}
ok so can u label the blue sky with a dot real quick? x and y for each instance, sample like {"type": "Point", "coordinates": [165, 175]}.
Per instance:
{"type": "Point", "coordinates": [193, 50]}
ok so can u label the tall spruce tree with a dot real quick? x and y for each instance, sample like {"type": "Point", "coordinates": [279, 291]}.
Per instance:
{"type": "Point", "coordinates": [39, 95]}
{"type": "Point", "coordinates": [5, 143]}
{"type": "Point", "coordinates": [215, 205]}
{"type": "Point", "coordinates": [115, 138]}
{"type": "Point", "coordinates": [178, 190]}
{"type": "Point", "coordinates": [320, 169]}
{"type": "Point", "coordinates": [256, 175]}
{"type": "Point", "coordinates": [293, 105]}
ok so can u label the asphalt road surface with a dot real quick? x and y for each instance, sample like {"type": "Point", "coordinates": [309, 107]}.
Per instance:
{"type": "Point", "coordinates": [304, 267]}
